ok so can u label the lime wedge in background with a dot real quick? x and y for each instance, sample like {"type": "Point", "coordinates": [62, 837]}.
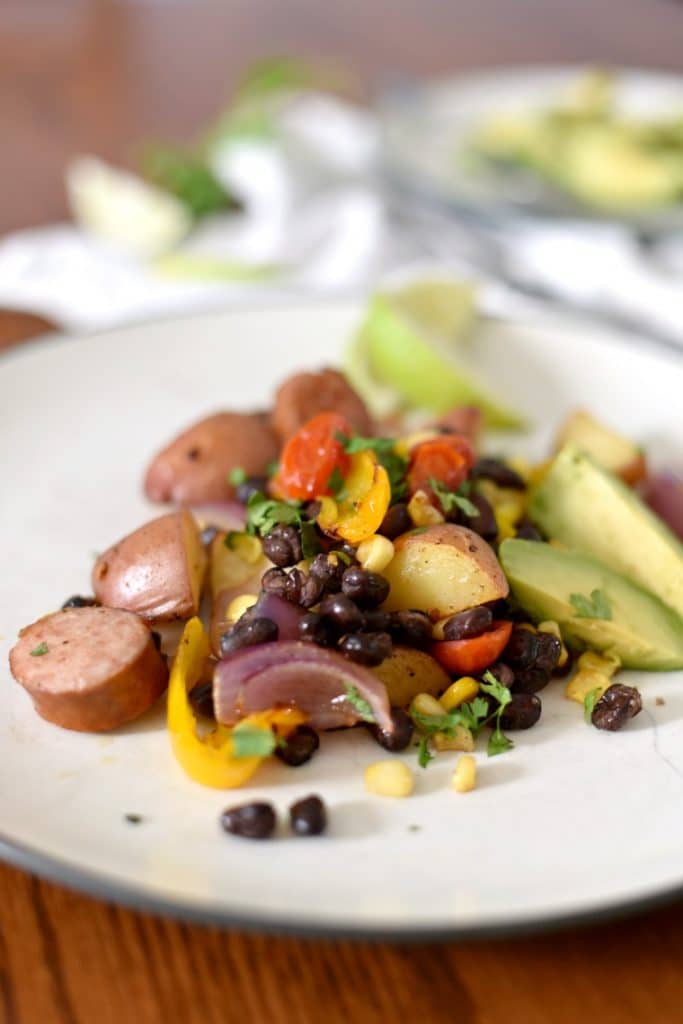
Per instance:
{"type": "Point", "coordinates": [195, 267]}
{"type": "Point", "coordinates": [407, 348]}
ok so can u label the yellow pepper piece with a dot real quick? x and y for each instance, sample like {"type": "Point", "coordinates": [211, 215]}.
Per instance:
{"type": "Point", "coordinates": [210, 760]}
{"type": "Point", "coordinates": [367, 493]}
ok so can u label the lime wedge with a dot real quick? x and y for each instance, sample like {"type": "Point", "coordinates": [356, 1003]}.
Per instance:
{"type": "Point", "coordinates": [408, 344]}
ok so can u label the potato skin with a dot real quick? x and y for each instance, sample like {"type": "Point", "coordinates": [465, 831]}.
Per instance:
{"type": "Point", "coordinates": [195, 467]}
{"type": "Point", "coordinates": [407, 672]}
{"type": "Point", "coordinates": [304, 395]}
{"type": "Point", "coordinates": [442, 570]}
{"type": "Point", "coordinates": [156, 571]}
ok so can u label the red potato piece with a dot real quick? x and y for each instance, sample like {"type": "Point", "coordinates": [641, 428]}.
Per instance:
{"type": "Point", "coordinates": [157, 571]}
{"type": "Point", "coordinates": [304, 395]}
{"type": "Point", "coordinates": [100, 668]}
{"type": "Point", "coordinates": [195, 467]}
{"type": "Point", "coordinates": [463, 419]}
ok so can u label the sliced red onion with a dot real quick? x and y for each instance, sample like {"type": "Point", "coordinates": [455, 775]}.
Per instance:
{"type": "Point", "coordinates": [226, 515]}
{"type": "Point", "coordinates": [283, 613]}
{"type": "Point", "coordinates": [300, 675]}
{"type": "Point", "coordinates": [664, 494]}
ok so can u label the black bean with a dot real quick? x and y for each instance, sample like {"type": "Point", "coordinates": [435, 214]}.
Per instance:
{"type": "Point", "coordinates": [484, 523]}
{"type": "Point", "coordinates": [396, 521]}
{"type": "Point", "coordinates": [413, 628]}
{"type": "Point", "coordinates": [523, 711]}
{"type": "Point", "coordinates": [563, 670]}
{"type": "Point", "coordinates": [308, 817]}
{"type": "Point", "coordinates": [496, 471]}
{"type": "Point", "coordinates": [294, 585]}
{"type": "Point", "coordinates": [340, 611]}
{"type": "Point", "coordinates": [549, 651]}
{"type": "Point", "coordinates": [282, 545]}
{"type": "Point", "coordinates": [328, 569]}
{"type": "Point", "coordinates": [527, 531]}
{"type": "Point", "coordinates": [312, 589]}
{"type": "Point", "coordinates": [503, 673]}
{"type": "Point", "coordinates": [201, 699]}
{"type": "Point", "coordinates": [367, 589]}
{"type": "Point", "coordinates": [617, 704]}
{"type": "Point", "coordinates": [312, 510]}
{"type": "Point", "coordinates": [467, 624]}
{"type": "Point", "coordinates": [77, 601]}
{"type": "Point", "coordinates": [248, 633]}
{"type": "Point", "coordinates": [208, 535]}
{"type": "Point", "coordinates": [249, 487]}
{"type": "Point", "coordinates": [252, 821]}
{"type": "Point", "coordinates": [530, 680]}
{"type": "Point", "coordinates": [375, 621]}
{"type": "Point", "coordinates": [316, 630]}
{"type": "Point", "coordinates": [400, 736]}
{"type": "Point", "coordinates": [156, 639]}
{"type": "Point", "coordinates": [522, 648]}
{"type": "Point", "coordinates": [299, 747]}
{"type": "Point", "coordinates": [368, 649]}
{"type": "Point", "coordinates": [274, 581]}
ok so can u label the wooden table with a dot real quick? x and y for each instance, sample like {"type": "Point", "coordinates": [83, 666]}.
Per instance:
{"type": "Point", "coordinates": [100, 77]}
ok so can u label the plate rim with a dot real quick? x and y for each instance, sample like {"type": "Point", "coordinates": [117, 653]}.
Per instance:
{"type": "Point", "coordinates": [104, 886]}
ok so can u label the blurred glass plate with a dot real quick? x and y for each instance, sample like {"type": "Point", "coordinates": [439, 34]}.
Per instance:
{"type": "Point", "coordinates": [425, 127]}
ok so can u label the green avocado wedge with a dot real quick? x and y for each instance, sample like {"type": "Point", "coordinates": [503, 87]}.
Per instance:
{"type": "Point", "coordinates": [403, 352]}
{"type": "Point", "coordinates": [589, 509]}
{"type": "Point", "coordinates": [550, 583]}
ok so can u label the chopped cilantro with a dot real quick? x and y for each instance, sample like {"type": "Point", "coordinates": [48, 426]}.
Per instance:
{"type": "Point", "coordinates": [252, 741]}
{"type": "Point", "coordinates": [343, 556]}
{"type": "Point", "coordinates": [387, 456]}
{"type": "Point", "coordinates": [336, 485]}
{"type": "Point", "coordinates": [594, 607]}
{"type": "Point", "coordinates": [498, 741]}
{"type": "Point", "coordinates": [589, 702]}
{"type": "Point", "coordinates": [452, 499]}
{"type": "Point", "coordinates": [309, 539]}
{"type": "Point", "coordinates": [272, 468]}
{"type": "Point", "coordinates": [423, 753]}
{"type": "Point", "coordinates": [265, 513]}
{"type": "Point", "coordinates": [237, 476]}
{"type": "Point", "coordinates": [359, 703]}
{"type": "Point", "coordinates": [38, 651]}
{"type": "Point", "coordinates": [472, 716]}
{"type": "Point", "coordinates": [232, 538]}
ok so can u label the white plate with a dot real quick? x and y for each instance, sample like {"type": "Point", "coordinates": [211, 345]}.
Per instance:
{"type": "Point", "coordinates": [572, 822]}
{"type": "Point", "coordinates": [426, 127]}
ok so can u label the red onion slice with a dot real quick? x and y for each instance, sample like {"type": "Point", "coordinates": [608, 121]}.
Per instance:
{"type": "Point", "coordinates": [226, 515]}
{"type": "Point", "coordinates": [283, 613]}
{"type": "Point", "coordinates": [664, 494]}
{"type": "Point", "coordinates": [300, 675]}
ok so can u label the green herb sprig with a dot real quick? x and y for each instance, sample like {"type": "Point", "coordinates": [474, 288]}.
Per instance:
{"type": "Point", "coordinates": [384, 448]}
{"type": "Point", "coordinates": [596, 606]}
{"type": "Point", "coordinates": [451, 500]}
{"type": "Point", "coordinates": [359, 703]}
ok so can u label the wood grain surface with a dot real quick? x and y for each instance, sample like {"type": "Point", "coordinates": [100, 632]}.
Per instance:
{"type": "Point", "coordinates": [101, 77]}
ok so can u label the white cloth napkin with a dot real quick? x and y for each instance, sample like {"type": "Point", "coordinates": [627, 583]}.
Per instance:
{"type": "Point", "coordinates": [314, 206]}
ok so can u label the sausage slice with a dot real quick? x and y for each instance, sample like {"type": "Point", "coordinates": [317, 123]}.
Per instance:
{"type": "Point", "coordinates": [90, 669]}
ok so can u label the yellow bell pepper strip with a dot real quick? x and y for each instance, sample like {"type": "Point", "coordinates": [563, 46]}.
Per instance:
{"type": "Point", "coordinates": [212, 760]}
{"type": "Point", "coordinates": [358, 512]}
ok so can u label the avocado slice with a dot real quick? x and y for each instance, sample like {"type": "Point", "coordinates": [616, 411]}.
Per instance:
{"type": "Point", "coordinates": [550, 583]}
{"type": "Point", "coordinates": [585, 507]}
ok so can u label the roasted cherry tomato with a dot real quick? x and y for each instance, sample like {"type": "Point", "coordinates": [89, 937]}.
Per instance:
{"type": "Point", "coordinates": [447, 459]}
{"type": "Point", "coordinates": [467, 657]}
{"type": "Point", "coordinates": [311, 456]}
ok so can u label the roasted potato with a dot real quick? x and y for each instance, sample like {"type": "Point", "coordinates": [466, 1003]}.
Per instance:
{"type": "Point", "coordinates": [407, 672]}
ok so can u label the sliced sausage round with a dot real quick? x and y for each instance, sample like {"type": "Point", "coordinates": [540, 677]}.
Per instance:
{"type": "Point", "coordinates": [90, 669]}
{"type": "Point", "coordinates": [195, 467]}
{"type": "Point", "coordinates": [304, 395]}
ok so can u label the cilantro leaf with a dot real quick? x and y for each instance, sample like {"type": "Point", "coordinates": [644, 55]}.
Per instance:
{"type": "Point", "coordinates": [41, 649]}
{"type": "Point", "coordinates": [237, 476]}
{"type": "Point", "coordinates": [596, 606]}
{"type": "Point", "coordinates": [232, 537]}
{"type": "Point", "coordinates": [451, 500]}
{"type": "Point", "coordinates": [498, 743]}
{"type": "Point", "coordinates": [359, 703]}
{"type": "Point", "coordinates": [309, 539]}
{"type": "Point", "coordinates": [336, 484]}
{"type": "Point", "coordinates": [496, 690]}
{"type": "Point", "coordinates": [387, 456]}
{"type": "Point", "coordinates": [424, 756]}
{"type": "Point", "coordinates": [188, 176]}
{"type": "Point", "coordinates": [265, 513]}
{"type": "Point", "coordinates": [252, 741]}
{"type": "Point", "coordinates": [343, 556]}
{"type": "Point", "coordinates": [589, 702]}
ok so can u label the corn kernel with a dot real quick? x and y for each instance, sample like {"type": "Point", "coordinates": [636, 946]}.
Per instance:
{"type": "Point", "coordinates": [239, 605]}
{"type": "Point", "coordinates": [248, 548]}
{"type": "Point", "coordinates": [422, 512]}
{"type": "Point", "coordinates": [462, 739]}
{"type": "Point", "coordinates": [458, 692]}
{"type": "Point", "coordinates": [404, 445]}
{"type": "Point", "coordinates": [389, 778]}
{"type": "Point", "coordinates": [425, 704]}
{"type": "Point", "coordinates": [328, 514]}
{"type": "Point", "coordinates": [554, 629]}
{"type": "Point", "coordinates": [595, 673]}
{"type": "Point", "coordinates": [465, 775]}
{"type": "Point", "coordinates": [603, 662]}
{"type": "Point", "coordinates": [375, 553]}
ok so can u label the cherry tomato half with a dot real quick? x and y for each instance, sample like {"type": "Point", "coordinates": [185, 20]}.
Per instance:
{"type": "Point", "coordinates": [311, 456]}
{"type": "Point", "coordinates": [467, 657]}
{"type": "Point", "coordinates": [447, 459]}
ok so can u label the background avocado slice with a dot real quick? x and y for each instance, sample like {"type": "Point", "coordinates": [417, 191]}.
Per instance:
{"type": "Point", "coordinates": [589, 509]}
{"type": "Point", "coordinates": [642, 632]}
